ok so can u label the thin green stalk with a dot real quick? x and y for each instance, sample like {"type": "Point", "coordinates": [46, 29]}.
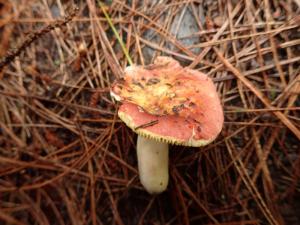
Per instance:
{"type": "Point", "coordinates": [115, 32]}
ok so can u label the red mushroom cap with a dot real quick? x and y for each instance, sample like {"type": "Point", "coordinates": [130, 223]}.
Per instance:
{"type": "Point", "coordinates": [167, 102]}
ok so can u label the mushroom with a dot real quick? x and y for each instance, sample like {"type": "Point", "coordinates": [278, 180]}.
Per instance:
{"type": "Point", "coordinates": [165, 103]}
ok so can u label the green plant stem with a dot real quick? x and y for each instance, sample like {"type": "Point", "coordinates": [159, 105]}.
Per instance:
{"type": "Point", "coordinates": [115, 32]}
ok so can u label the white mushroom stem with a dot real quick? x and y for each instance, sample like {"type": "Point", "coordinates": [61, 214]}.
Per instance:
{"type": "Point", "coordinates": [153, 160]}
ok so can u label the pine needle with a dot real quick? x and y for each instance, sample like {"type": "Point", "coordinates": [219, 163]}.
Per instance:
{"type": "Point", "coordinates": [125, 50]}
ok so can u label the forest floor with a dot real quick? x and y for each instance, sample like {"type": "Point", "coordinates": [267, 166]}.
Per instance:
{"type": "Point", "coordinates": [66, 157]}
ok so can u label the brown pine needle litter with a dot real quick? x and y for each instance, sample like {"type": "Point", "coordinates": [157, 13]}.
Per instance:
{"type": "Point", "coordinates": [66, 158]}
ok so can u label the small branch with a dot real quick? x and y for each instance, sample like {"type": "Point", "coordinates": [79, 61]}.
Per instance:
{"type": "Point", "coordinates": [13, 53]}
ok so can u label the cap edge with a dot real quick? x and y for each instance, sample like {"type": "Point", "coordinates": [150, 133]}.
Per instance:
{"type": "Point", "coordinates": [166, 139]}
